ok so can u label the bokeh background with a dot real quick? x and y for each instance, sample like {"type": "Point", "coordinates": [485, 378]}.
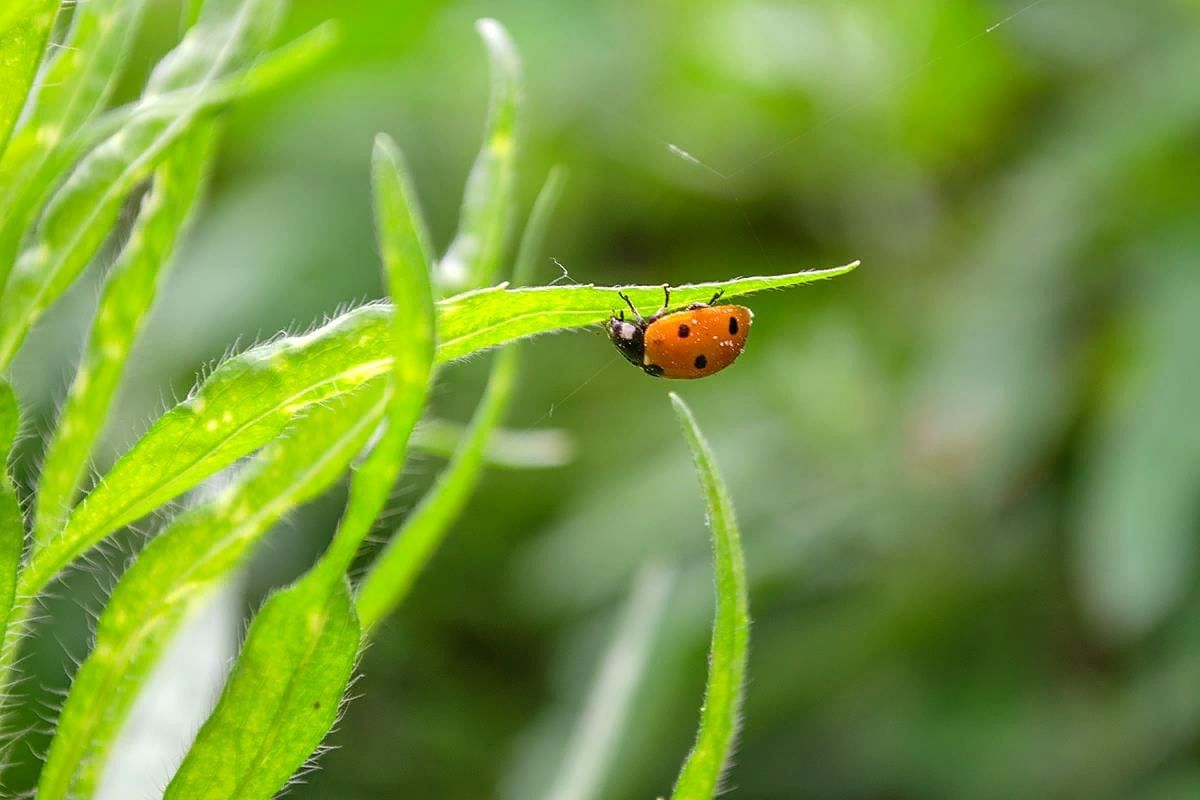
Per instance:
{"type": "Point", "coordinates": [967, 474]}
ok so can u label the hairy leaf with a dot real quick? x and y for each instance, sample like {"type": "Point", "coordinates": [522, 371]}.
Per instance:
{"type": "Point", "coordinates": [282, 698]}
{"type": "Point", "coordinates": [701, 773]}
{"type": "Point", "coordinates": [128, 292]}
{"type": "Point", "coordinates": [24, 29]}
{"type": "Point", "coordinates": [175, 571]}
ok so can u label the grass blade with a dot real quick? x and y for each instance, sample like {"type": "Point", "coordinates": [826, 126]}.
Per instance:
{"type": "Point", "coordinates": [251, 398]}
{"type": "Point", "coordinates": [397, 567]}
{"type": "Point", "coordinates": [282, 698]}
{"type": "Point", "coordinates": [12, 523]}
{"type": "Point", "coordinates": [82, 213]}
{"type": "Point", "coordinates": [129, 290]}
{"type": "Point", "coordinates": [195, 552]}
{"type": "Point", "coordinates": [477, 251]}
{"type": "Point", "coordinates": [76, 85]}
{"type": "Point", "coordinates": [395, 570]}
{"type": "Point", "coordinates": [593, 744]}
{"type": "Point", "coordinates": [701, 773]}
{"type": "Point", "coordinates": [404, 247]}
{"type": "Point", "coordinates": [24, 29]}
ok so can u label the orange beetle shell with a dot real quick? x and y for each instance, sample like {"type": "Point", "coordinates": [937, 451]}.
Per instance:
{"type": "Point", "coordinates": [696, 342]}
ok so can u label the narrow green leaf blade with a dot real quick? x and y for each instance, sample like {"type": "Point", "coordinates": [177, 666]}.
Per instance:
{"type": "Point", "coordinates": [701, 773]}
{"type": "Point", "coordinates": [24, 29]}
{"type": "Point", "coordinates": [589, 751]}
{"type": "Point", "coordinates": [12, 523]}
{"type": "Point", "coordinates": [129, 290]}
{"type": "Point", "coordinates": [282, 698]}
{"type": "Point", "coordinates": [404, 247]}
{"type": "Point", "coordinates": [246, 402]}
{"type": "Point", "coordinates": [477, 251]}
{"type": "Point", "coordinates": [474, 321]}
{"type": "Point", "coordinates": [78, 82]}
{"type": "Point", "coordinates": [395, 570]}
{"type": "Point", "coordinates": [251, 398]}
{"type": "Point", "coordinates": [81, 214]}
{"type": "Point", "coordinates": [200, 548]}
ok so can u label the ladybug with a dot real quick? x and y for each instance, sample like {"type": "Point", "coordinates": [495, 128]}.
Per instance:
{"type": "Point", "coordinates": [693, 342]}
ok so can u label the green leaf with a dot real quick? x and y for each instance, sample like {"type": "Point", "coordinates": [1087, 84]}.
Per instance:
{"type": "Point", "coordinates": [702, 770]}
{"type": "Point", "coordinates": [80, 80]}
{"type": "Point", "coordinates": [508, 449]}
{"type": "Point", "coordinates": [477, 251]}
{"type": "Point", "coordinates": [282, 698]}
{"type": "Point", "coordinates": [24, 28]}
{"type": "Point", "coordinates": [196, 551]}
{"type": "Point", "coordinates": [23, 195]}
{"type": "Point", "coordinates": [395, 570]}
{"type": "Point", "coordinates": [404, 248]}
{"type": "Point", "coordinates": [251, 398]}
{"type": "Point", "coordinates": [129, 290]}
{"type": "Point", "coordinates": [397, 567]}
{"type": "Point", "coordinates": [82, 213]}
{"type": "Point", "coordinates": [246, 402]}
{"type": "Point", "coordinates": [12, 523]}
{"type": "Point", "coordinates": [490, 317]}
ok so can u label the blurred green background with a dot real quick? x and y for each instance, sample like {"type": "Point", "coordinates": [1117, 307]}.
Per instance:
{"type": "Point", "coordinates": [967, 474]}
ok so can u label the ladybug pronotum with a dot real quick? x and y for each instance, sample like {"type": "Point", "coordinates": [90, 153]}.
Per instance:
{"type": "Point", "coordinates": [693, 342]}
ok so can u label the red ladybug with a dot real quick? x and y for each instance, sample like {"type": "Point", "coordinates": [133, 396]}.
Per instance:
{"type": "Point", "coordinates": [689, 343]}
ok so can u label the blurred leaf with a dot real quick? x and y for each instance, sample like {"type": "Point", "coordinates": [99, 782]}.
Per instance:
{"type": "Point", "coordinates": [533, 238]}
{"type": "Point", "coordinates": [474, 257]}
{"type": "Point", "coordinates": [81, 214]}
{"type": "Point", "coordinates": [23, 195]}
{"type": "Point", "coordinates": [701, 773]}
{"type": "Point", "coordinates": [1135, 537]}
{"type": "Point", "coordinates": [196, 551]}
{"type": "Point", "coordinates": [588, 754]}
{"type": "Point", "coordinates": [394, 570]}
{"type": "Point", "coordinates": [75, 86]}
{"type": "Point", "coordinates": [282, 698]}
{"type": "Point", "coordinates": [129, 290]}
{"type": "Point", "coordinates": [24, 29]}
{"type": "Point", "coordinates": [511, 449]}
{"type": "Point", "coordinates": [404, 248]}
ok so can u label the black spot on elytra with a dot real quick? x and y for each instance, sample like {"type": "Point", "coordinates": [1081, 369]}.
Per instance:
{"type": "Point", "coordinates": [733, 326]}
{"type": "Point", "coordinates": [701, 362]}
{"type": "Point", "coordinates": [684, 330]}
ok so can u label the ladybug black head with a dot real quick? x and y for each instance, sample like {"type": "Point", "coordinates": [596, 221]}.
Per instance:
{"type": "Point", "coordinates": [628, 337]}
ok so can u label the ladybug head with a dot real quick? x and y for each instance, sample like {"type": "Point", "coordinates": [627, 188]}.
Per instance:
{"type": "Point", "coordinates": [628, 337]}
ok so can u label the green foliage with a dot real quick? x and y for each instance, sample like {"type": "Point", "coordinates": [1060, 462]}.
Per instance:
{"type": "Point", "coordinates": [701, 773]}
{"type": "Point", "coordinates": [24, 28]}
{"type": "Point", "coordinates": [281, 699]}
{"type": "Point", "coordinates": [12, 525]}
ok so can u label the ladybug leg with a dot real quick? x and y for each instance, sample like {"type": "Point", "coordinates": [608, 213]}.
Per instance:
{"type": "Point", "coordinates": [716, 297]}
{"type": "Point", "coordinates": [666, 297]}
{"type": "Point", "coordinates": [632, 308]}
